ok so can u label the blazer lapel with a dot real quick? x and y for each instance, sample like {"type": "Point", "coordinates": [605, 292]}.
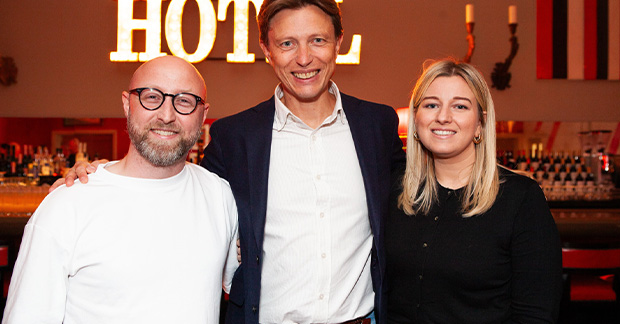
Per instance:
{"type": "Point", "coordinates": [258, 141]}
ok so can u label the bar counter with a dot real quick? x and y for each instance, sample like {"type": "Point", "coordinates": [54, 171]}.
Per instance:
{"type": "Point", "coordinates": [578, 227]}
{"type": "Point", "coordinates": [588, 228]}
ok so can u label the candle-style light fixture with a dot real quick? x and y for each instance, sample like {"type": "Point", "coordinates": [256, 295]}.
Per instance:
{"type": "Point", "coordinates": [469, 24]}
{"type": "Point", "coordinates": [500, 75]}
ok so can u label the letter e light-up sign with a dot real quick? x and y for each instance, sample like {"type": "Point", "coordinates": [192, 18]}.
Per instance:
{"type": "Point", "coordinates": [208, 27]}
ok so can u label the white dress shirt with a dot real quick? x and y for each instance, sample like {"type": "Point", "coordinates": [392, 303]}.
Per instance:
{"type": "Point", "coordinates": [316, 251]}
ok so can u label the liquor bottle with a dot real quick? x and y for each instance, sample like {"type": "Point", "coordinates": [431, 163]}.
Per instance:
{"type": "Point", "coordinates": [46, 164]}
{"type": "Point", "coordinates": [564, 171]}
{"type": "Point", "coordinates": [546, 161]}
{"type": "Point", "coordinates": [500, 156]}
{"type": "Point", "coordinates": [36, 164]}
{"type": "Point", "coordinates": [26, 160]}
{"type": "Point", "coordinates": [572, 171]}
{"type": "Point", "coordinates": [59, 163]}
{"type": "Point", "coordinates": [540, 171]}
{"type": "Point", "coordinates": [201, 149]}
{"type": "Point", "coordinates": [521, 161]}
{"type": "Point", "coordinates": [576, 158]}
{"type": "Point", "coordinates": [557, 160]}
{"type": "Point", "coordinates": [3, 164]}
{"type": "Point", "coordinates": [534, 159]}
{"type": "Point", "coordinates": [511, 163]}
{"type": "Point", "coordinates": [546, 178]}
{"type": "Point", "coordinates": [12, 162]}
{"type": "Point", "coordinates": [579, 180]}
{"type": "Point", "coordinates": [19, 167]}
{"type": "Point", "coordinates": [192, 156]}
{"type": "Point", "coordinates": [557, 179]}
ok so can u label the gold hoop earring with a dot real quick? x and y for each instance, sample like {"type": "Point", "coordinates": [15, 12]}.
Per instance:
{"type": "Point", "coordinates": [478, 139]}
{"type": "Point", "coordinates": [415, 136]}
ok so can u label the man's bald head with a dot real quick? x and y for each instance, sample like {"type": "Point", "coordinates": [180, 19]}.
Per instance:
{"type": "Point", "coordinates": [170, 74]}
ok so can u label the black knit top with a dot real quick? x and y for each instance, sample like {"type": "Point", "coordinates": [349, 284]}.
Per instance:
{"type": "Point", "coordinates": [503, 266]}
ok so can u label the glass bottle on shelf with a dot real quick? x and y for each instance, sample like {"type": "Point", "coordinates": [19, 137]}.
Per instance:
{"type": "Point", "coordinates": [46, 164]}
{"type": "Point", "coordinates": [59, 162]}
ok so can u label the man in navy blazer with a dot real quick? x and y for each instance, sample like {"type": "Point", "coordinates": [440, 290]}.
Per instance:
{"type": "Point", "coordinates": [311, 172]}
{"type": "Point", "coordinates": [294, 267]}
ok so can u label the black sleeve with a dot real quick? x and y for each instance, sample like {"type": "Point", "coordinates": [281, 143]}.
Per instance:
{"type": "Point", "coordinates": [212, 159]}
{"type": "Point", "coordinates": [536, 261]}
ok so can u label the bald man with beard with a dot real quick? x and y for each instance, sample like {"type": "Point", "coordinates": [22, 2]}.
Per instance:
{"type": "Point", "coordinates": [151, 238]}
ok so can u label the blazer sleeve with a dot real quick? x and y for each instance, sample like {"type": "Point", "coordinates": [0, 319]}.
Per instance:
{"type": "Point", "coordinates": [212, 159]}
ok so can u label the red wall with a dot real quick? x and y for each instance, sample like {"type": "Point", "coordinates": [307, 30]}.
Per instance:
{"type": "Point", "coordinates": [38, 132]}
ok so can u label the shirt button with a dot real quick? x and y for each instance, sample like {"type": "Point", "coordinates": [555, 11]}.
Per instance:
{"type": "Point", "coordinates": [313, 138]}
{"type": "Point", "coordinates": [318, 177]}
{"type": "Point", "coordinates": [321, 296]}
{"type": "Point", "coordinates": [420, 276]}
{"type": "Point", "coordinates": [417, 305]}
{"type": "Point", "coordinates": [323, 255]}
{"type": "Point", "coordinates": [436, 218]}
{"type": "Point", "coordinates": [322, 215]}
{"type": "Point", "coordinates": [424, 245]}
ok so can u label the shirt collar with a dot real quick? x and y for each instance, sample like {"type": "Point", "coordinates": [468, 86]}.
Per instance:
{"type": "Point", "coordinates": [282, 113]}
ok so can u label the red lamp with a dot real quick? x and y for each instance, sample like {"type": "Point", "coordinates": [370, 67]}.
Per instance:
{"type": "Point", "coordinates": [403, 121]}
{"type": "Point", "coordinates": [403, 124]}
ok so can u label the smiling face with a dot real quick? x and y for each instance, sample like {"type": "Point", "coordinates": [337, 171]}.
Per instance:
{"type": "Point", "coordinates": [447, 119]}
{"type": "Point", "coordinates": [302, 49]}
{"type": "Point", "coordinates": [163, 137]}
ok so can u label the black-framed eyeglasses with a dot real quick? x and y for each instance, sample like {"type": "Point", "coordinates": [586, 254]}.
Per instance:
{"type": "Point", "coordinates": [151, 99]}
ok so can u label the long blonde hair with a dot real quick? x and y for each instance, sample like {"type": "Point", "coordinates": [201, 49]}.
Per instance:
{"type": "Point", "coordinates": [419, 181]}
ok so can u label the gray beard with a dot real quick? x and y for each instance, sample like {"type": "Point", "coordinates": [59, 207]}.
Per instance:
{"type": "Point", "coordinates": [157, 153]}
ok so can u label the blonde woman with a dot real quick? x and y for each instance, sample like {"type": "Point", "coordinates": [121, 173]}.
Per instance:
{"type": "Point", "coordinates": [467, 241]}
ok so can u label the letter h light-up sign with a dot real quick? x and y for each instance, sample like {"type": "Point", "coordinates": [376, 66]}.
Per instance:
{"type": "Point", "coordinates": [208, 23]}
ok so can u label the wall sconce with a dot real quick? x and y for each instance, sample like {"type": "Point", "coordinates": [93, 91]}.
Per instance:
{"type": "Point", "coordinates": [469, 24]}
{"type": "Point", "coordinates": [500, 75]}
{"type": "Point", "coordinates": [8, 71]}
{"type": "Point", "coordinates": [403, 125]}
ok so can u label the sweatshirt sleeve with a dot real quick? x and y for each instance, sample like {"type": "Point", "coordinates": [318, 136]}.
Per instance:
{"type": "Point", "coordinates": [38, 289]}
{"type": "Point", "coordinates": [231, 259]}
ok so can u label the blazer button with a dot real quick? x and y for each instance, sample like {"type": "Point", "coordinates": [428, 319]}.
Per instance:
{"type": "Point", "coordinates": [254, 309]}
{"type": "Point", "coordinates": [257, 260]}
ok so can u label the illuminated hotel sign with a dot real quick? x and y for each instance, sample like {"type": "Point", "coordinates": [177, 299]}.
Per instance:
{"type": "Point", "coordinates": [208, 22]}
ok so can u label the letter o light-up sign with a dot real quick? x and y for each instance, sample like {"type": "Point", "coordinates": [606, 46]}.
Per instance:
{"type": "Point", "coordinates": [208, 28]}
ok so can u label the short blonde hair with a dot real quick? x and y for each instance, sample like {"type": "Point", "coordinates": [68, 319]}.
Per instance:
{"type": "Point", "coordinates": [419, 181]}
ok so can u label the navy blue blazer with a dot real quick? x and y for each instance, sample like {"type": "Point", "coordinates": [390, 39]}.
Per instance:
{"type": "Point", "coordinates": [239, 152]}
